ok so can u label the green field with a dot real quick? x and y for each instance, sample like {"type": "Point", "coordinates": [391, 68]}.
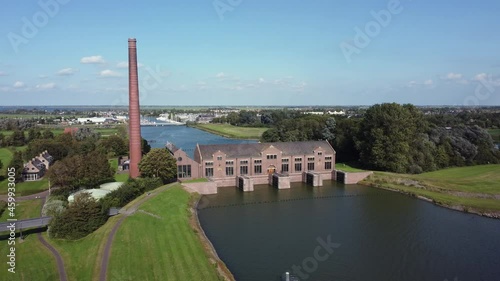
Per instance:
{"type": "Point", "coordinates": [27, 209]}
{"type": "Point", "coordinates": [33, 261]}
{"type": "Point", "coordinates": [26, 188]}
{"type": "Point", "coordinates": [5, 156]}
{"type": "Point", "coordinates": [158, 243]}
{"type": "Point", "coordinates": [474, 188]}
{"type": "Point", "coordinates": [82, 258]}
{"type": "Point", "coordinates": [105, 132]}
{"type": "Point", "coordinates": [230, 131]}
{"type": "Point", "coordinates": [495, 134]}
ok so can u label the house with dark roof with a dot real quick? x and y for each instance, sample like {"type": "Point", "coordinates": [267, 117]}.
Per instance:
{"type": "Point", "coordinates": [224, 163]}
{"type": "Point", "coordinates": [36, 168]}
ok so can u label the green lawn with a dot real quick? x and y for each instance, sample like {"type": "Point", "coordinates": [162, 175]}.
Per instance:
{"type": "Point", "coordinates": [82, 258]}
{"type": "Point", "coordinates": [196, 180]}
{"type": "Point", "coordinates": [28, 209]}
{"type": "Point", "coordinates": [26, 188]}
{"type": "Point", "coordinates": [347, 168]}
{"type": "Point", "coordinates": [160, 244]}
{"type": "Point", "coordinates": [5, 156]}
{"type": "Point", "coordinates": [33, 261]}
{"type": "Point", "coordinates": [453, 187]}
{"type": "Point", "coordinates": [231, 131]}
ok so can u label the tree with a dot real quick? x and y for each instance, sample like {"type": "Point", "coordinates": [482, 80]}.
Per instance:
{"type": "Point", "coordinates": [387, 134]}
{"type": "Point", "coordinates": [34, 134]}
{"type": "Point", "coordinates": [329, 129]}
{"type": "Point", "coordinates": [88, 171]}
{"type": "Point", "coordinates": [2, 140]}
{"type": "Point", "coordinates": [17, 138]}
{"type": "Point", "coordinates": [18, 164]}
{"type": "Point", "coordinates": [86, 133]}
{"type": "Point", "coordinates": [82, 217]}
{"type": "Point", "coordinates": [145, 147]}
{"type": "Point", "coordinates": [114, 145]}
{"type": "Point", "coordinates": [159, 163]}
{"type": "Point", "coordinates": [47, 134]}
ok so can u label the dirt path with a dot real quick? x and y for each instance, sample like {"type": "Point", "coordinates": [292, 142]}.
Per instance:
{"type": "Point", "coordinates": [111, 236]}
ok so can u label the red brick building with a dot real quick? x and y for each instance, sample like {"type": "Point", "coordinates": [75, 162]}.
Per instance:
{"type": "Point", "coordinates": [223, 163]}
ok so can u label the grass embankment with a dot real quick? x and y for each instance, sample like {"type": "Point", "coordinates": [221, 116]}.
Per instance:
{"type": "Point", "coordinates": [230, 131]}
{"type": "Point", "coordinates": [27, 209]}
{"type": "Point", "coordinates": [33, 261]}
{"type": "Point", "coordinates": [158, 243]}
{"type": "Point", "coordinates": [347, 168]}
{"type": "Point", "coordinates": [195, 180]}
{"type": "Point", "coordinates": [473, 189]}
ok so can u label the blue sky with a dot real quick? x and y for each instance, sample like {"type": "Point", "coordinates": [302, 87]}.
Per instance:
{"type": "Point", "coordinates": [242, 52]}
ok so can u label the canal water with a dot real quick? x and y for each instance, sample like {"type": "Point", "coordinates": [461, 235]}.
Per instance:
{"type": "Point", "coordinates": [337, 232]}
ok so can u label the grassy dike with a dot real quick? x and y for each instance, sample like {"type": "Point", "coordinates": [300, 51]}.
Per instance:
{"type": "Point", "coordinates": [230, 131]}
{"type": "Point", "coordinates": [474, 189]}
{"type": "Point", "coordinates": [160, 242]}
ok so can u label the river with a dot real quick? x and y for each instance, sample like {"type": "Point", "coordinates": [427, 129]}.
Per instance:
{"type": "Point", "coordinates": [372, 234]}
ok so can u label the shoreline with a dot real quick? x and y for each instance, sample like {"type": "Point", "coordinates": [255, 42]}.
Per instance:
{"type": "Point", "coordinates": [195, 126]}
{"type": "Point", "coordinates": [209, 248]}
{"type": "Point", "coordinates": [459, 208]}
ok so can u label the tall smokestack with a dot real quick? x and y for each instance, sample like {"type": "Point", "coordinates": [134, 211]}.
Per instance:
{"type": "Point", "coordinates": [134, 111]}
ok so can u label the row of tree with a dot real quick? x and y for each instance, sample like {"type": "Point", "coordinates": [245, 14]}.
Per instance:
{"type": "Point", "coordinates": [392, 137]}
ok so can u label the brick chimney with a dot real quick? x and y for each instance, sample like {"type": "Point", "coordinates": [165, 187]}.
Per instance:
{"type": "Point", "coordinates": [134, 110]}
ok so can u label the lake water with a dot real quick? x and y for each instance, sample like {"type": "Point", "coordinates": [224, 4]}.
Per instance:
{"type": "Point", "coordinates": [374, 234]}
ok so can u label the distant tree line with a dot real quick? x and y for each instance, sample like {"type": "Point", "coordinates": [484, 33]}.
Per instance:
{"type": "Point", "coordinates": [392, 137]}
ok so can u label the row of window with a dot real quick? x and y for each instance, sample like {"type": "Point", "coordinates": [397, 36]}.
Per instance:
{"type": "Point", "coordinates": [184, 171]}
{"type": "Point", "coordinates": [259, 161]}
{"type": "Point", "coordinates": [285, 168]}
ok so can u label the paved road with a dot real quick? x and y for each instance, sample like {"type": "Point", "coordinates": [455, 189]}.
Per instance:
{"type": "Point", "coordinates": [59, 261]}
{"type": "Point", "coordinates": [60, 264]}
{"type": "Point", "coordinates": [23, 224]}
{"type": "Point", "coordinates": [40, 195]}
{"type": "Point", "coordinates": [111, 236]}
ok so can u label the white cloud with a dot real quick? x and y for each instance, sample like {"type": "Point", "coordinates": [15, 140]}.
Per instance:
{"type": "Point", "coordinates": [412, 84]}
{"type": "Point", "coordinates": [3, 73]}
{"type": "Point", "coordinates": [262, 80]}
{"type": "Point", "coordinates": [92, 60]}
{"type": "Point", "coordinates": [481, 76]}
{"type": "Point", "coordinates": [109, 73]}
{"type": "Point", "coordinates": [18, 85]}
{"type": "Point", "coordinates": [487, 79]}
{"type": "Point", "coordinates": [429, 82]}
{"type": "Point", "coordinates": [122, 64]}
{"type": "Point", "coordinates": [67, 71]}
{"type": "Point", "coordinates": [46, 86]}
{"type": "Point", "coordinates": [453, 76]}
{"type": "Point", "coordinates": [42, 76]}
{"type": "Point", "coordinates": [220, 75]}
